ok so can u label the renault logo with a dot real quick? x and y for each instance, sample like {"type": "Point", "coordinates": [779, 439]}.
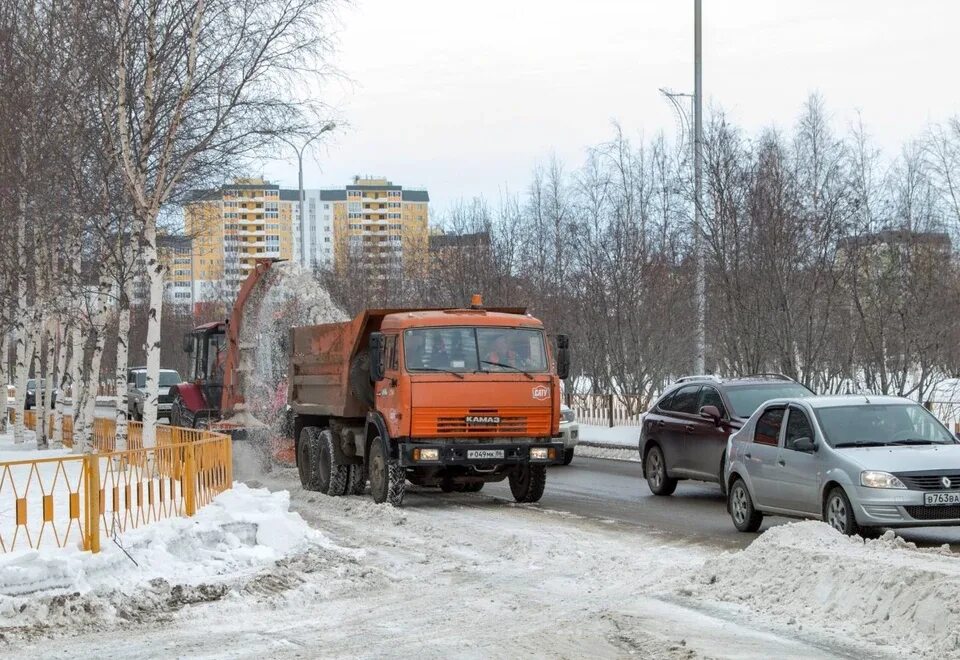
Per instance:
{"type": "Point", "coordinates": [946, 482]}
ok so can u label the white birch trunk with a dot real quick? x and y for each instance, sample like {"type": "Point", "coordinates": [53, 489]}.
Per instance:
{"type": "Point", "coordinates": [83, 440]}
{"type": "Point", "coordinates": [120, 376]}
{"type": "Point", "coordinates": [61, 378]}
{"type": "Point", "coordinates": [24, 352]}
{"type": "Point", "coordinates": [76, 374]}
{"type": "Point", "coordinates": [155, 272]}
{"type": "Point", "coordinates": [4, 377]}
{"type": "Point", "coordinates": [41, 395]}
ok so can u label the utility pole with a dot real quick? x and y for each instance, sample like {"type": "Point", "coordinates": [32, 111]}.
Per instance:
{"type": "Point", "coordinates": [300, 196]}
{"type": "Point", "coordinates": [699, 358]}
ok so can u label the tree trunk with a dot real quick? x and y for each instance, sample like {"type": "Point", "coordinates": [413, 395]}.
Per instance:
{"type": "Point", "coordinates": [84, 443]}
{"type": "Point", "coordinates": [61, 378]}
{"type": "Point", "coordinates": [4, 379]}
{"type": "Point", "coordinates": [77, 349]}
{"type": "Point", "coordinates": [155, 273]}
{"type": "Point", "coordinates": [120, 375]}
{"type": "Point", "coordinates": [42, 391]}
{"type": "Point", "coordinates": [22, 368]}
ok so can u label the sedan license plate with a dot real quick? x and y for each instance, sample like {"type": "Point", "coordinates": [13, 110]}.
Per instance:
{"type": "Point", "coordinates": [941, 499]}
{"type": "Point", "coordinates": [484, 453]}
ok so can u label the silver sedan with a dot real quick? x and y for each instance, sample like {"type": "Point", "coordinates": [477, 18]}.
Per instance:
{"type": "Point", "coordinates": [857, 462]}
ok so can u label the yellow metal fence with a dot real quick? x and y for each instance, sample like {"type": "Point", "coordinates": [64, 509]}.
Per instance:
{"type": "Point", "coordinates": [82, 499]}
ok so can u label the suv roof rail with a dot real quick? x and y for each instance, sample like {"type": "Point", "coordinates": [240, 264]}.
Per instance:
{"type": "Point", "coordinates": [768, 375]}
{"type": "Point", "coordinates": [711, 377]}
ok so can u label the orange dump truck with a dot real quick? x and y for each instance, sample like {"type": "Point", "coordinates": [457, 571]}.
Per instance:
{"type": "Point", "coordinates": [449, 398]}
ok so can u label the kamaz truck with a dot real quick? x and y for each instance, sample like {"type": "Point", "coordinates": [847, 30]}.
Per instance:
{"type": "Point", "coordinates": [446, 398]}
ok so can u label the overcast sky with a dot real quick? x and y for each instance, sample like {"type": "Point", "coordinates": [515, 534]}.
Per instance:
{"type": "Point", "coordinates": [464, 98]}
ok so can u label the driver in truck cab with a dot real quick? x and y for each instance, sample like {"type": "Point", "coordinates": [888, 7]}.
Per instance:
{"type": "Point", "coordinates": [501, 353]}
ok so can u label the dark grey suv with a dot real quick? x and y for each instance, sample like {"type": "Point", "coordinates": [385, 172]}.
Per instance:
{"type": "Point", "coordinates": [684, 434]}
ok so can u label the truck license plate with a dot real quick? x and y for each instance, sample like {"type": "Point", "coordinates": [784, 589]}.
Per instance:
{"type": "Point", "coordinates": [484, 453]}
{"type": "Point", "coordinates": [941, 499]}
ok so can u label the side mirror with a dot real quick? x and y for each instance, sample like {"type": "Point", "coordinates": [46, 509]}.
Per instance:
{"type": "Point", "coordinates": [563, 356]}
{"type": "Point", "coordinates": [376, 356]}
{"type": "Point", "coordinates": [711, 412]}
{"type": "Point", "coordinates": [805, 444]}
{"type": "Point", "coordinates": [187, 343]}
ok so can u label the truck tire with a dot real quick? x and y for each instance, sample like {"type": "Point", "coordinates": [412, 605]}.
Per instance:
{"type": "Point", "coordinates": [308, 451]}
{"type": "Point", "coordinates": [360, 379]}
{"type": "Point", "coordinates": [527, 483]}
{"type": "Point", "coordinates": [332, 473]}
{"type": "Point", "coordinates": [357, 483]}
{"type": "Point", "coordinates": [387, 480]}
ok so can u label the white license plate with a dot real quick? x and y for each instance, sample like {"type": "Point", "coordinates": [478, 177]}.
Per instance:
{"type": "Point", "coordinates": [941, 499]}
{"type": "Point", "coordinates": [484, 453]}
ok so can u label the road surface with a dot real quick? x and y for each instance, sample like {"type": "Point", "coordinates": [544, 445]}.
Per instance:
{"type": "Point", "coordinates": [615, 490]}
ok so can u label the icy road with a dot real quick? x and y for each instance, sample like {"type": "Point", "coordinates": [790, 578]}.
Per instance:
{"type": "Point", "coordinates": [475, 576]}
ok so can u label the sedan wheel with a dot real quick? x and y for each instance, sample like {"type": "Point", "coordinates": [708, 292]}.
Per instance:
{"type": "Point", "coordinates": [839, 514]}
{"type": "Point", "coordinates": [745, 517]}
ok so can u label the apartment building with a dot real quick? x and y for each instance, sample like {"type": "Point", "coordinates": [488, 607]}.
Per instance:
{"type": "Point", "coordinates": [380, 228]}
{"type": "Point", "coordinates": [232, 228]}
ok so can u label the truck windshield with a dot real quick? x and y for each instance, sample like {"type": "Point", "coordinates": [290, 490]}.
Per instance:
{"type": "Point", "coordinates": [469, 350]}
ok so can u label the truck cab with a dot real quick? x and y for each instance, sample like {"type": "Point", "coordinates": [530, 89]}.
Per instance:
{"type": "Point", "coordinates": [449, 398]}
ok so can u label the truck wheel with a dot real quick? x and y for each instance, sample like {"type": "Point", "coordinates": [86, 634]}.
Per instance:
{"type": "Point", "coordinates": [308, 451]}
{"type": "Point", "coordinates": [332, 473]}
{"type": "Point", "coordinates": [357, 483]}
{"type": "Point", "coordinates": [527, 482]}
{"type": "Point", "coordinates": [568, 456]}
{"type": "Point", "coordinates": [387, 480]}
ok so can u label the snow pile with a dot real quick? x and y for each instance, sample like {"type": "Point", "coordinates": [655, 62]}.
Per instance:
{"type": "Point", "coordinates": [288, 297]}
{"type": "Point", "coordinates": [241, 533]}
{"type": "Point", "coordinates": [885, 592]}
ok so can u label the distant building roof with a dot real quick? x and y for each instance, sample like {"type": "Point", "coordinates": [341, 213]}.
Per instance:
{"type": "Point", "coordinates": [333, 195]}
{"type": "Point", "coordinates": [440, 241]}
{"type": "Point", "coordinates": [289, 195]}
{"type": "Point", "coordinates": [388, 186]}
{"type": "Point", "coordinates": [416, 196]}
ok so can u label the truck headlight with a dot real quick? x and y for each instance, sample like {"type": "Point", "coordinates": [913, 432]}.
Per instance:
{"type": "Point", "coordinates": [539, 454]}
{"type": "Point", "coordinates": [872, 479]}
{"type": "Point", "coordinates": [566, 416]}
{"type": "Point", "coordinates": [427, 454]}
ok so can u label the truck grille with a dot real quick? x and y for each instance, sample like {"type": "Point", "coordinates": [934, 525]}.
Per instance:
{"type": "Point", "coordinates": [447, 422]}
{"type": "Point", "coordinates": [933, 512]}
{"type": "Point", "coordinates": [929, 480]}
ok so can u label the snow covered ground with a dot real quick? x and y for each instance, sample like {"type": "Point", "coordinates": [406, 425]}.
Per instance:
{"type": "Point", "coordinates": [617, 443]}
{"type": "Point", "coordinates": [472, 576]}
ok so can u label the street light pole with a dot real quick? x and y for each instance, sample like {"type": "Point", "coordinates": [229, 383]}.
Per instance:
{"type": "Point", "coordinates": [699, 358]}
{"type": "Point", "coordinates": [300, 193]}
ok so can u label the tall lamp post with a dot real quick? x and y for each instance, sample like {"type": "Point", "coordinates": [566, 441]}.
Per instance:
{"type": "Point", "coordinates": [300, 196]}
{"type": "Point", "coordinates": [696, 101]}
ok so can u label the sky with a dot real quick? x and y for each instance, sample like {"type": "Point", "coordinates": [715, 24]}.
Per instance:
{"type": "Point", "coordinates": [465, 98]}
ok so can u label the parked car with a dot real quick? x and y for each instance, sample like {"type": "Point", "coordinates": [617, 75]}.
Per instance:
{"type": "Point", "coordinates": [684, 434]}
{"type": "Point", "coordinates": [569, 432]}
{"type": "Point", "coordinates": [30, 401]}
{"type": "Point", "coordinates": [137, 392]}
{"type": "Point", "coordinates": [857, 462]}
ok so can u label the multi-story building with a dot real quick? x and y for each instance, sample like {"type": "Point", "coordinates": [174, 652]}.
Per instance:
{"type": "Point", "coordinates": [313, 238]}
{"type": "Point", "coordinates": [380, 228]}
{"type": "Point", "coordinates": [232, 228]}
{"type": "Point", "coordinates": [175, 253]}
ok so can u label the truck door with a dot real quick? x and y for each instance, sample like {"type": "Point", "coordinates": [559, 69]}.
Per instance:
{"type": "Point", "coordinates": [387, 395]}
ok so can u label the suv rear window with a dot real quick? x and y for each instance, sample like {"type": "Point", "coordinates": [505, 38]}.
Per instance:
{"type": "Point", "coordinates": [745, 399]}
{"type": "Point", "coordinates": [684, 400]}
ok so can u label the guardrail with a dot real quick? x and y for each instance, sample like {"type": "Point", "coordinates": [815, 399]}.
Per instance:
{"type": "Point", "coordinates": [82, 499]}
{"type": "Point", "coordinates": [607, 409]}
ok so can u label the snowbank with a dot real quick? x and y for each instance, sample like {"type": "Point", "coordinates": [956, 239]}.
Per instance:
{"type": "Point", "coordinates": [618, 436]}
{"type": "Point", "coordinates": [241, 532]}
{"type": "Point", "coordinates": [885, 592]}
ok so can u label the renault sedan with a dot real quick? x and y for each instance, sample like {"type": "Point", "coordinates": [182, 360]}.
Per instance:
{"type": "Point", "coordinates": [857, 462]}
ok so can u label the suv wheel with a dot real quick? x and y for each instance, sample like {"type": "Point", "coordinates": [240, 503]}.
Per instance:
{"type": "Point", "coordinates": [745, 517]}
{"type": "Point", "coordinates": [838, 513]}
{"type": "Point", "coordinates": [655, 470]}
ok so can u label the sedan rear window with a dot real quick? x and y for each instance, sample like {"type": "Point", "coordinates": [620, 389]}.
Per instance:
{"type": "Point", "coordinates": [745, 399]}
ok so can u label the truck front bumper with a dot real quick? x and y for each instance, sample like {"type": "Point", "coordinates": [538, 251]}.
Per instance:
{"type": "Point", "coordinates": [483, 454]}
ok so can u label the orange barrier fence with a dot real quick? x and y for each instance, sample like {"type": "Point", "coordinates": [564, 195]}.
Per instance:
{"type": "Point", "coordinates": [82, 499]}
